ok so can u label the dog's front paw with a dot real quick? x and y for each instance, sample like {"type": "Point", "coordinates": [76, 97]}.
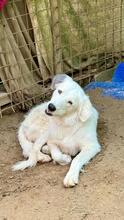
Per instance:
{"type": "Point", "coordinates": [71, 179]}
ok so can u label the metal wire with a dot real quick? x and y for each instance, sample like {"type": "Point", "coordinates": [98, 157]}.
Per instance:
{"type": "Point", "coordinates": [80, 38]}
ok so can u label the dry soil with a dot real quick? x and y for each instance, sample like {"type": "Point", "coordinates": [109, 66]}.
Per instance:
{"type": "Point", "coordinates": [39, 194]}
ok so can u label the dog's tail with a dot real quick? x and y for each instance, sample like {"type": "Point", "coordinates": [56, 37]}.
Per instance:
{"type": "Point", "coordinates": [24, 142]}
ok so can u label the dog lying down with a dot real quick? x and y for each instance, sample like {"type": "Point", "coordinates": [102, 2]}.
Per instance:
{"type": "Point", "coordinates": [59, 129]}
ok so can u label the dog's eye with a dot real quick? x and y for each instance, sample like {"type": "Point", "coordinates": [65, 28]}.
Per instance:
{"type": "Point", "coordinates": [59, 91]}
{"type": "Point", "coordinates": [70, 102]}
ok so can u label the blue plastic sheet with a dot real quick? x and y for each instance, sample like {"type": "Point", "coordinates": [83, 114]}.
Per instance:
{"type": "Point", "coordinates": [115, 88]}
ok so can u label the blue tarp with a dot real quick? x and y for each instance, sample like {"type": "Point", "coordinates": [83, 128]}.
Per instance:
{"type": "Point", "coordinates": [115, 88]}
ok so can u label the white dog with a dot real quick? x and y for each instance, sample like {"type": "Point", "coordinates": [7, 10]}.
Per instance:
{"type": "Point", "coordinates": [66, 124]}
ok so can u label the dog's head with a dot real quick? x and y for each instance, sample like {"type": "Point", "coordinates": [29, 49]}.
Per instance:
{"type": "Point", "coordinates": [68, 97]}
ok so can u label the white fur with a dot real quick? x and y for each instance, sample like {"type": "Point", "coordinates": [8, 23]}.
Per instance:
{"type": "Point", "coordinates": [70, 131]}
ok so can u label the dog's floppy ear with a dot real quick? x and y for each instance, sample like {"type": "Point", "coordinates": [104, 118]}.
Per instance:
{"type": "Point", "coordinates": [85, 109]}
{"type": "Point", "coordinates": [59, 78]}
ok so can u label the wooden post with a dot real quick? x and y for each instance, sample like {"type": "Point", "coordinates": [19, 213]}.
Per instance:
{"type": "Point", "coordinates": [56, 35]}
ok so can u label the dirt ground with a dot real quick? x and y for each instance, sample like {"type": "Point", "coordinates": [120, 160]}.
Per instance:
{"type": "Point", "coordinates": [39, 194]}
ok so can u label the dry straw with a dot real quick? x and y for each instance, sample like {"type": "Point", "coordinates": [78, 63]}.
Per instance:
{"type": "Point", "coordinates": [41, 38]}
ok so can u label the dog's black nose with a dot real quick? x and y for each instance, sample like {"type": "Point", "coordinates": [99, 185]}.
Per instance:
{"type": "Point", "coordinates": [51, 107]}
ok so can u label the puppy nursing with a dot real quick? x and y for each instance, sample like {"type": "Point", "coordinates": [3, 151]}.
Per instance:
{"type": "Point", "coordinates": [63, 127]}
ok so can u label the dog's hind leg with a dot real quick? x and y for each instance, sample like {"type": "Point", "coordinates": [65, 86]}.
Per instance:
{"type": "Point", "coordinates": [34, 156]}
{"type": "Point", "coordinates": [46, 150]}
{"type": "Point", "coordinates": [58, 156]}
{"type": "Point", "coordinates": [24, 142]}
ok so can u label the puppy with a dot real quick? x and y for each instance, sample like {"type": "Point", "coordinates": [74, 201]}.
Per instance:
{"type": "Point", "coordinates": [63, 127]}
